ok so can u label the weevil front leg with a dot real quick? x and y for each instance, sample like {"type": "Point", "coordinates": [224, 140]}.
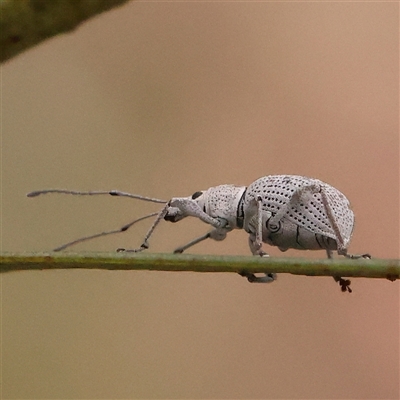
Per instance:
{"type": "Point", "coordinates": [145, 243]}
{"type": "Point", "coordinates": [216, 234]}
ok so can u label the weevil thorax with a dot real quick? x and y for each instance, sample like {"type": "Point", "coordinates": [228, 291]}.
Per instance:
{"type": "Point", "coordinates": [223, 201]}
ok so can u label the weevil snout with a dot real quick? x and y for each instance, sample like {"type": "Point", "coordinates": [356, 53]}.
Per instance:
{"type": "Point", "coordinates": [174, 214]}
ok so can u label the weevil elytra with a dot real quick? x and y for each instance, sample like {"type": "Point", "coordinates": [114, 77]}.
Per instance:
{"type": "Point", "coordinates": [287, 211]}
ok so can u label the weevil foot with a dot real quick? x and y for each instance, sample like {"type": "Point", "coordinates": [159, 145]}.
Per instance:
{"type": "Point", "coordinates": [141, 248]}
{"type": "Point", "coordinates": [252, 278]}
{"type": "Point", "coordinates": [259, 252]}
{"type": "Point", "coordinates": [357, 256]}
{"type": "Point", "coordinates": [343, 252]}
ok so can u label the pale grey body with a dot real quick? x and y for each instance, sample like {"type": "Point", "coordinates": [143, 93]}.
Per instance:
{"type": "Point", "coordinates": [292, 212]}
{"type": "Point", "coordinates": [287, 211]}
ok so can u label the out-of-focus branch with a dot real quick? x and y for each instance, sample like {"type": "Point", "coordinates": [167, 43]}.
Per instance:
{"type": "Point", "coordinates": [25, 23]}
{"type": "Point", "coordinates": [386, 269]}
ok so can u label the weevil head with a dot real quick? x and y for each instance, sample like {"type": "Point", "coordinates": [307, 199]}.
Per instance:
{"type": "Point", "coordinates": [174, 214]}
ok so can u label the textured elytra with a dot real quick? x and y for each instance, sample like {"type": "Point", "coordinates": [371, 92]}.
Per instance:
{"type": "Point", "coordinates": [307, 211]}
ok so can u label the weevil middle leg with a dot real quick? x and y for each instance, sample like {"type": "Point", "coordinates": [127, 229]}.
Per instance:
{"type": "Point", "coordinates": [255, 244]}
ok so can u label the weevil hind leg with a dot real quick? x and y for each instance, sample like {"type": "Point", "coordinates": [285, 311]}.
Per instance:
{"type": "Point", "coordinates": [341, 249]}
{"type": "Point", "coordinates": [344, 283]}
{"type": "Point", "coordinates": [343, 252]}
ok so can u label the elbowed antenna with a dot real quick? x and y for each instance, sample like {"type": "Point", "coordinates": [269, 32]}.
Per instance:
{"type": "Point", "coordinates": [93, 193]}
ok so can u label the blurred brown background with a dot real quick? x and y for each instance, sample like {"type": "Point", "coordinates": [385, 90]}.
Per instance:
{"type": "Point", "coordinates": [167, 98]}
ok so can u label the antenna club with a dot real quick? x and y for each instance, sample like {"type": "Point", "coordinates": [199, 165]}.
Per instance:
{"type": "Point", "coordinates": [33, 194]}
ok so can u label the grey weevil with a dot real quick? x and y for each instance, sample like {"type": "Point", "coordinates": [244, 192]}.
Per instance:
{"type": "Point", "coordinates": [287, 211]}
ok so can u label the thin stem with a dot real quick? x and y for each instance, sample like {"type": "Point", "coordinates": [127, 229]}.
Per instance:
{"type": "Point", "coordinates": [386, 269]}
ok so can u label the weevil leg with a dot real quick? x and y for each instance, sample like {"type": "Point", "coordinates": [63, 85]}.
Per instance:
{"type": "Point", "coordinates": [255, 244]}
{"type": "Point", "coordinates": [255, 240]}
{"type": "Point", "coordinates": [181, 249]}
{"type": "Point", "coordinates": [343, 252]}
{"type": "Point", "coordinates": [257, 251]}
{"type": "Point", "coordinates": [252, 278]}
{"type": "Point", "coordinates": [216, 234]}
{"type": "Point", "coordinates": [255, 247]}
{"type": "Point", "coordinates": [341, 249]}
{"type": "Point", "coordinates": [344, 283]}
{"type": "Point", "coordinates": [329, 253]}
{"type": "Point", "coordinates": [145, 243]}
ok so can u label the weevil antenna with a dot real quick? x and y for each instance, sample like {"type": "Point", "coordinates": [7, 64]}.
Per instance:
{"type": "Point", "coordinates": [96, 192]}
{"type": "Point", "coordinates": [122, 229]}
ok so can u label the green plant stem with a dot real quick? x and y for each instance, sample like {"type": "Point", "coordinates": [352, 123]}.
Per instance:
{"type": "Point", "coordinates": [386, 269]}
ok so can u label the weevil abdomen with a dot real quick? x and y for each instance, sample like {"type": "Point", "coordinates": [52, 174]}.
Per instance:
{"type": "Point", "coordinates": [294, 213]}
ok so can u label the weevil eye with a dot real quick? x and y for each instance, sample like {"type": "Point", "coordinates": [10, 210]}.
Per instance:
{"type": "Point", "coordinates": [196, 195]}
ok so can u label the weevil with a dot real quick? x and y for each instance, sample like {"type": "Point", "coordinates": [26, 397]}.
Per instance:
{"type": "Point", "coordinates": [287, 211]}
